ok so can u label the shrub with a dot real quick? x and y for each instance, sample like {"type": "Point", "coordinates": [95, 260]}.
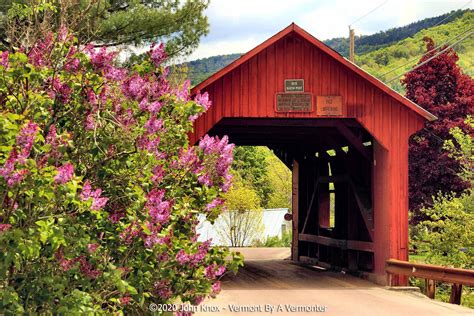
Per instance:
{"type": "Point", "coordinates": [100, 189]}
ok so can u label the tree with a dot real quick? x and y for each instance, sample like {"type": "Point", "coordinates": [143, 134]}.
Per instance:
{"type": "Point", "coordinates": [179, 24]}
{"type": "Point", "coordinates": [243, 222]}
{"type": "Point", "coordinates": [440, 87]}
{"type": "Point", "coordinates": [101, 191]}
{"type": "Point", "coordinates": [279, 177]}
{"type": "Point", "coordinates": [446, 236]}
{"type": "Point", "coordinates": [251, 164]}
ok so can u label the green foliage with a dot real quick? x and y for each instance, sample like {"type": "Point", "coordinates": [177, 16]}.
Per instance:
{"type": "Point", "coordinates": [200, 69]}
{"type": "Point", "coordinates": [276, 241]}
{"type": "Point", "coordinates": [242, 223]}
{"type": "Point", "coordinates": [461, 147]}
{"type": "Point", "coordinates": [251, 165]}
{"type": "Point", "coordinates": [382, 60]}
{"type": "Point", "coordinates": [279, 178]}
{"type": "Point", "coordinates": [180, 24]}
{"type": "Point", "coordinates": [446, 236]}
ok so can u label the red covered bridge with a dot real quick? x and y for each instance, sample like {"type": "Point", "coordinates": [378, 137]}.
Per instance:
{"type": "Point", "coordinates": [342, 132]}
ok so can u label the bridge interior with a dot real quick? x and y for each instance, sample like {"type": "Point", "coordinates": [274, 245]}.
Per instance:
{"type": "Point", "coordinates": [331, 161]}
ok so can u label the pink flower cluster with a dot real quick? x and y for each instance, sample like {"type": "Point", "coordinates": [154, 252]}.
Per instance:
{"type": "Point", "coordinates": [38, 55]}
{"type": "Point", "coordinates": [4, 227]}
{"type": "Point", "coordinates": [163, 289]}
{"type": "Point", "coordinates": [133, 230]}
{"type": "Point", "coordinates": [98, 202]}
{"type": "Point", "coordinates": [59, 91]}
{"type": "Point", "coordinates": [65, 173]}
{"type": "Point", "coordinates": [214, 203]}
{"type": "Point", "coordinates": [202, 100]}
{"type": "Point", "coordinates": [86, 268]}
{"type": "Point", "coordinates": [215, 289]}
{"type": "Point", "coordinates": [213, 271]}
{"type": "Point", "coordinates": [218, 172]}
{"type": "Point", "coordinates": [193, 259]}
{"type": "Point", "coordinates": [157, 54]}
{"type": "Point", "coordinates": [24, 141]}
{"type": "Point", "coordinates": [4, 59]}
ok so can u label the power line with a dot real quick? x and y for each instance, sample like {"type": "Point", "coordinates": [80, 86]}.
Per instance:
{"type": "Point", "coordinates": [431, 58]}
{"type": "Point", "coordinates": [419, 56]}
{"type": "Point", "coordinates": [466, 4]}
{"type": "Point", "coordinates": [371, 11]}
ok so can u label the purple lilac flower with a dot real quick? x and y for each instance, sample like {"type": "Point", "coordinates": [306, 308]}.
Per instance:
{"type": "Point", "coordinates": [158, 209]}
{"type": "Point", "coordinates": [65, 173]}
{"type": "Point", "coordinates": [157, 54]}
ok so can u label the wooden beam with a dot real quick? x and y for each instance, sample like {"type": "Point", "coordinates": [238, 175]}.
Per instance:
{"type": "Point", "coordinates": [338, 243]}
{"type": "Point", "coordinates": [294, 211]}
{"type": "Point", "coordinates": [353, 139]}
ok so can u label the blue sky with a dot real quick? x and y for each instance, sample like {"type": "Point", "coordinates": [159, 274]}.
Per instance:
{"type": "Point", "coordinates": [237, 26]}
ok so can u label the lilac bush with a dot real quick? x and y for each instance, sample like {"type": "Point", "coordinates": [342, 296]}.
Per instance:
{"type": "Point", "coordinates": [101, 190]}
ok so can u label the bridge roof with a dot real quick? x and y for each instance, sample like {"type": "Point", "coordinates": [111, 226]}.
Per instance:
{"type": "Point", "coordinates": [293, 28]}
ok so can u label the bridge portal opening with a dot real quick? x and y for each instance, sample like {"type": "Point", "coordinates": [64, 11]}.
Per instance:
{"type": "Point", "coordinates": [331, 162]}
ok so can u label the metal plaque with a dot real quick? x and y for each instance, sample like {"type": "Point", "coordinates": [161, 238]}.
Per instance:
{"type": "Point", "coordinates": [329, 105]}
{"type": "Point", "coordinates": [294, 85]}
{"type": "Point", "coordinates": [294, 102]}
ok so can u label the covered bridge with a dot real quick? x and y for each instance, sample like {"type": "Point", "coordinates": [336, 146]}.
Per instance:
{"type": "Point", "coordinates": [342, 132]}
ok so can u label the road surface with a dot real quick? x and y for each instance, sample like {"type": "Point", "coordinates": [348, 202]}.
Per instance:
{"type": "Point", "coordinates": [290, 289]}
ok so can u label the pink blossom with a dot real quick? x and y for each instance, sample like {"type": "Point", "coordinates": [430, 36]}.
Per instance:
{"type": "Point", "coordinates": [115, 74]}
{"type": "Point", "coordinates": [98, 202]}
{"type": "Point", "coordinates": [125, 300]}
{"type": "Point", "coordinates": [163, 289]}
{"type": "Point", "coordinates": [212, 271]}
{"type": "Point", "coordinates": [215, 203]}
{"type": "Point", "coordinates": [215, 289]}
{"type": "Point", "coordinates": [182, 257]}
{"type": "Point", "coordinates": [25, 139]}
{"type": "Point", "coordinates": [60, 91]}
{"type": "Point", "coordinates": [130, 232]}
{"type": "Point", "coordinates": [90, 121]}
{"type": "Point", "coordinates": [155, 107]}
{"type": "Point", "coordinates": [64, 264]}
{"type": "Point", "coordinates": [4, 227]}
{"type": "Point", "coordinates": [158, 174]}
{"type": "Point", "coordinates": [183, 93]}
{"type": "Point", "coordinates": [65, 173]}
{"type": "Point", "coordinates": [222, 151]}
{"type": "Point", "coordinates": [91, 97]}
{"type": "Point", "coordinates": [135, 87]}
{"type": "Point", "coordinates": [153, 125]}
{"type": "Point", "coordinates": [158, 209]}
{"type": "Point", "coordinates": [91, 248]}
{"type": "Point", "coordinates": [38, 54]}
{"type": "Point", "coordinates": [87, 269]}
{"type": "Point", "coordinates": [157, 54]}
{"type": "Point", "coordinates": [4, 59]}
{"type": "Point", "coordinates": [116, 216]}
{"type": "Point", "coordinates": [203, 100]}
{"type": "Point", "coordinates": [100, 58]}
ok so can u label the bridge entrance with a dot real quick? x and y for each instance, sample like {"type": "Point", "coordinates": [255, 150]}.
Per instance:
{"type": "Point", "coordinates": [344, 135]}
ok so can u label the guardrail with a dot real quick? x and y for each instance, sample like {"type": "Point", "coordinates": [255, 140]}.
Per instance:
{"type": "Point", "coordinates": [431, 274]}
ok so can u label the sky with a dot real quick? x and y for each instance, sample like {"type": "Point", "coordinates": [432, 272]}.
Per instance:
{"type": "Point", "coordinates": [237, 26]}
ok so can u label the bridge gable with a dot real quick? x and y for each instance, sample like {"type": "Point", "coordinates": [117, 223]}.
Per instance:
{"type": "Point", "coordinates": [248, 88]}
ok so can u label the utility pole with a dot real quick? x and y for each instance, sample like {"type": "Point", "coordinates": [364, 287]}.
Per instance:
{"type": "Point", "coordinates": [351, 44]}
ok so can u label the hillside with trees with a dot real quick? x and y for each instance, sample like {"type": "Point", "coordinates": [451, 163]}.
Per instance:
{"type": "Point", "coordinates": [402, 47]}
{"type": "Point", "coordinates": [367, 43]}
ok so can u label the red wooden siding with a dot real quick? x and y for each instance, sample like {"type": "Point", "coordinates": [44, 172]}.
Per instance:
{"type": "Point", "coordinates": [249, 90]}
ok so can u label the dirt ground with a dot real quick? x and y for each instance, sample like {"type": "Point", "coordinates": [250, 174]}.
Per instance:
{"type": "Point", "coordinates": [271, 285]}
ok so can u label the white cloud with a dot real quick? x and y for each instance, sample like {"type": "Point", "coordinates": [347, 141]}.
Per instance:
{"type": "Point", "coordinates": [238, 26]}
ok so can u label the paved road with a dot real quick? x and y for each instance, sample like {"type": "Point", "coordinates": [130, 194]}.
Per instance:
{"type": "Point", "coordinates": [279, 282]}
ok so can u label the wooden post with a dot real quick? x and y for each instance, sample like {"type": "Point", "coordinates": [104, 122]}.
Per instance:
{"type": "Point", "coordinates": [430, 288]}
{"type": "Point", "coordinates": [351, 44]}
{"type": "Point", "coordinates": [456, 292]}
{"type": "Point", "coordinates": [295, 210]}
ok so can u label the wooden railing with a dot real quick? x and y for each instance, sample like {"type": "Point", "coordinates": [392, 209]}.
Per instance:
{"type": "Point", "coordinates": [431, 274]}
